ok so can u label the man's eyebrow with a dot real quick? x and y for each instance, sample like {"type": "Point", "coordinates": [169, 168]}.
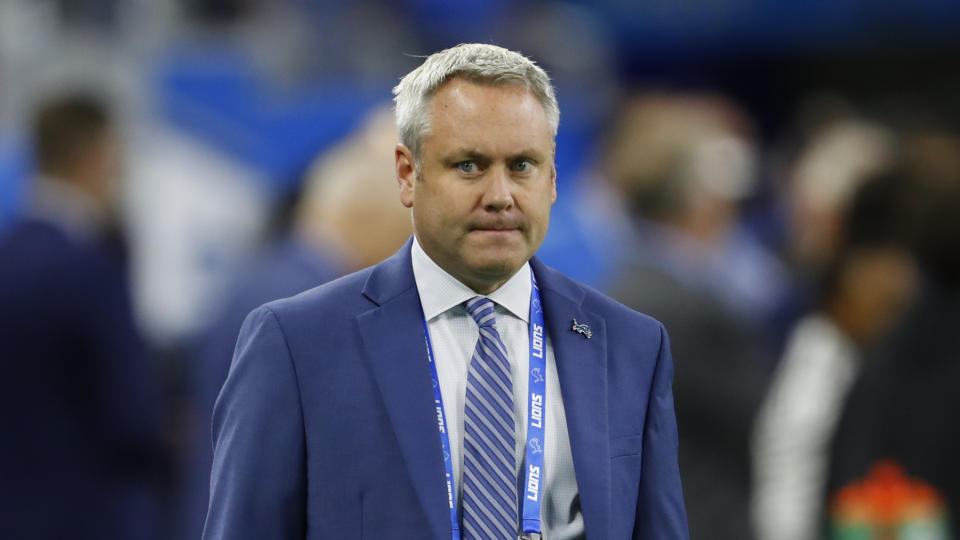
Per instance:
{"type": "Point", "coordinates": [467, 154]}
{"type": "Point", "coordinates": [464, 154]}
{"type": "Point", "coordinates": [528, 153]}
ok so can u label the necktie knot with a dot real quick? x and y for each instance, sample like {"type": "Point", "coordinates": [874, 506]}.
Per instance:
{"type": "Point", "coordinates": [481, 309]}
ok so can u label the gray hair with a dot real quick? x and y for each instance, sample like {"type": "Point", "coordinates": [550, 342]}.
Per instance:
{"type": "Point", "coordinates": [476, 62]}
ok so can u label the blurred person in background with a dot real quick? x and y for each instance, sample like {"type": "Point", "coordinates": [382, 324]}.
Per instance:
{"type": "Point", "coordinates": [682, 163]}
{"type": "Point", "coordinates": [345, 219]}
{"type": "Point", "coordinates": [839, 154]}
{"type": "Point", "coordinates": [80, 415]}
{"type": "Point", "coordinates": [905, 408]}
{"type": "Point", "coordinates": [865, 285]}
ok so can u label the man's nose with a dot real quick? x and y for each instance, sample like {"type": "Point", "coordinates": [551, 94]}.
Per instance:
{"type": "Point", "coordinates": [498, 194]}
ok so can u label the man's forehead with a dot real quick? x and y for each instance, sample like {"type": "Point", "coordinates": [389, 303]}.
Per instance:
{"type": "Point", "coordinates": [488, 119]}
{"type": "Point", "coordinates": [462, 88]}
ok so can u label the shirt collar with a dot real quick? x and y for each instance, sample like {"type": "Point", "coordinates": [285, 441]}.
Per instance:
{"type": "Point", "coordinates": [439, 291]}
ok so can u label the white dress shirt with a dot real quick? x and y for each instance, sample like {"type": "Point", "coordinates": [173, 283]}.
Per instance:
{"type": "Point", "coordinates": [453, 335]}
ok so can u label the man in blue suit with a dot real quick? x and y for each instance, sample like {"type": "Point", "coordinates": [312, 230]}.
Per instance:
{"type": "Point", "coordinates": [459, 389]}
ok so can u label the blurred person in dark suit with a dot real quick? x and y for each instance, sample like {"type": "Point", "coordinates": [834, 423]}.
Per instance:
{"type": "Point", "coordinates": [906, 406]}
{"type": "Point", "coordinates": [681, 164]}
{"type": "Point", "coordinates": [346, 218]}
{"type": "Point", "coordinates": [866, 283]}
{"type": "Point", "coordinates": [80, 417]}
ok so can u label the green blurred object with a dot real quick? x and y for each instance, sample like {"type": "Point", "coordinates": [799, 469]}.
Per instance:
{"type": "Point", "coordinates": [854, 531]}
{"type": "Point", "coordinates": [933, 528]}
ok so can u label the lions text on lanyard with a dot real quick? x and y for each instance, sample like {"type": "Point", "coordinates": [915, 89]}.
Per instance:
{"type": "Point", "coordinates": [536, 413]}
{"type": "Point", "coordinates": [534, 447]}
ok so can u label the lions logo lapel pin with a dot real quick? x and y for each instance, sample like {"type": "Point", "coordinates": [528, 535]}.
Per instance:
{"type": "Point", "coordinates": [582, 329]}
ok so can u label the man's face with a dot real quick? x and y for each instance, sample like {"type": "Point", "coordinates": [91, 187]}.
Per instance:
{"type": "Point", "coordinates": [481, 205]}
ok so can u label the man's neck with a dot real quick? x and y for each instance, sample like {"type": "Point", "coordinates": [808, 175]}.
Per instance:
{"type": "Point", "coordinates": [480, 286]}
{"type": "Point", "coordinates": [440, 290]}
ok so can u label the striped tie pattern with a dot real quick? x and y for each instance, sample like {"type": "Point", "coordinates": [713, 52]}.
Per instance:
{"type": "Point", "coordinates": [489, 480]}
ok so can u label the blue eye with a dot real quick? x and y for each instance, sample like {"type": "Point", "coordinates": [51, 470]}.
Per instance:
{"type": "Point", "coordinates": [467, 167]}
{"type": "Point", "coordinates": [522, 166]}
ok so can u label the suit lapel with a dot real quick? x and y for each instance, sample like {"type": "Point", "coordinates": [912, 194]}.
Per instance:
{"type": "Point", "coordinates": [582, 369]}
{"type": "Point", "coordinates": [392, 335]}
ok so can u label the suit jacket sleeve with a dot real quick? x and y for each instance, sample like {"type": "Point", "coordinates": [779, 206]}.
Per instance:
{"type": "Point", "coordinates": [258, 483]}
{"type": "Point", "coordinates": [660, 509]}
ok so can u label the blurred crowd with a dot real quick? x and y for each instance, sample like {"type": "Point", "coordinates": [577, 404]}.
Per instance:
{"type": "Point", "coordinates": [802, 250]}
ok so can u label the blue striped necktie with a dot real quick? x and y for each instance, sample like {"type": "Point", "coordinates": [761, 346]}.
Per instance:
{"type": "Point", "coordinates": [489, 478]}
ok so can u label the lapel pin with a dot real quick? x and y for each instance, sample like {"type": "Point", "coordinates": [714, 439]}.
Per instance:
{"type": "Point", "coordinates": [583, 329]}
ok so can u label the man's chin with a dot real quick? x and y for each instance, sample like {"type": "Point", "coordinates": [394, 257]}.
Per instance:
{"type": "Point", "coordinates": [496, 268]}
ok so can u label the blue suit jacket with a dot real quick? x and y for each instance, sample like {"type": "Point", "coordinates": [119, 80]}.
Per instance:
{"type": "Point", "coordinates": [80, 432]}
{"type": "Point", "coordinates": [326, 427]}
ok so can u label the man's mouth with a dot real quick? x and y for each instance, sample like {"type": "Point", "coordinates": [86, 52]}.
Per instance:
{"type": "Point", "coordinates": [495, 232]}
{"type": "Point", "coordinates": [495, 227]}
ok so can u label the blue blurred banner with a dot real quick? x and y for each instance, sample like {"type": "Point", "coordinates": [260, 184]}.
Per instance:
{"type": "Point", "coordinates": [14, 169]}
{"type": "Point", "coordinates": [217, 94]}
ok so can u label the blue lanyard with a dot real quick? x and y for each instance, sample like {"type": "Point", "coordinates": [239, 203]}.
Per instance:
{"type": "Point", "coordinates": [536, 409]}
{"type": "Point", "coordinates": [535, 420]}
{"type": "Point", "coordinates": [444, 437]}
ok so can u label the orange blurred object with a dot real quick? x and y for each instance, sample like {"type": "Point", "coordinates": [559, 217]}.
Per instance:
{"type": "Point", "coordinates": [888, 504]}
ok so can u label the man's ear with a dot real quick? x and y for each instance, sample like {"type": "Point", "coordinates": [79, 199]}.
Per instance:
{"type": "Point", "coordinates": [406, 174]}
{"type": "Point", "coordinates": [553, 179]}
